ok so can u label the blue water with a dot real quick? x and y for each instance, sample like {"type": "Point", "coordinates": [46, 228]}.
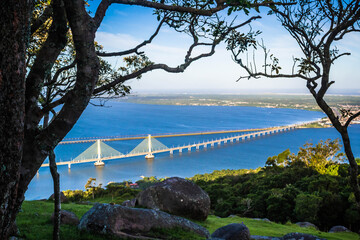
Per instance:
{"type": "Point", "coordinates": [132, 119]}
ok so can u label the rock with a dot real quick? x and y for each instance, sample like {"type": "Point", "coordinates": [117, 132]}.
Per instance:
{"type": "Point", "coordinates": [233, 231]}
{"type": "Point", "coordinates": [256, 237]}
{"type": "Point", "coordinates": [176, 196]}
{"type": "Point", "coordinates": [300, 236]}
{"type": "Point", "coordinates": [85, 203]}
{"type": "Point", "coordinates": [67, 217]}
{"type": "Point", "coordinates": [335, 229]}
{"type": "Point", "coordinates": [306, 224]}
{"type": "Point", "coordinates": [126, 222]}
{"type": "Point", "coordinates": [63, 198]}
{"type": "Point", "coordinates": [129, 203]}
{"type": "Point", "coordinates": [262, 219]}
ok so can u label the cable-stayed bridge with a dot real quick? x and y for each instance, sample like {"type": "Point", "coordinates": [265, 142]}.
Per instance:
{"type": "Point", "coordinates": [100, 152]}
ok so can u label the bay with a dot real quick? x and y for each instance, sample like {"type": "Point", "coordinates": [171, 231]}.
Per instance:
{"type": "Point", "coordinates": [123, 119]}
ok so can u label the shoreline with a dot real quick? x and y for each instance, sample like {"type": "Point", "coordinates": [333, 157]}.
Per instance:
{"type": "Point", "coordinates": [281, 101]}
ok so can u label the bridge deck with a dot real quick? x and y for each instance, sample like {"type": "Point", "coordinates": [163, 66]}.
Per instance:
{"type": "Point", "coordinates": [264, 131]}
{"type": "Point", "coordinates": [80, 140]}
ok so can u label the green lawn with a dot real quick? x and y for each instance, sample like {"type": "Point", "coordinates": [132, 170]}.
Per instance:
{"type": "Point", "coordinates": [34, 223]}
{"type": "Point", "coordinates": [258, 227]}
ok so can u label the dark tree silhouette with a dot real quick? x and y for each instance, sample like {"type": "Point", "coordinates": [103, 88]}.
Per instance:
{"type": "Point", "coordinates": [316, 26]}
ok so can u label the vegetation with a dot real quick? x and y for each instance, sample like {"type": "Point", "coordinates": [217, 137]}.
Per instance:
{"type": "Point", "coordinates": [316, 26]}
{"type": "Point", "coordinates": [113, 193]}
{"type": "Point", "coordinates": [34, 223]}
{"type": "Point", "coordinates": [26, 142]}
{"type": "Point", "coordinates": [314, 125]}
{"type": "Point", "coordinates": [310, 186]}
{"type": "Point", "coordinates": [52, 65]}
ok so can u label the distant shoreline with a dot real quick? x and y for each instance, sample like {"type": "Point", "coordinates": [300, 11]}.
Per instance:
{"type": "Point", "coordinates": [287, 101]}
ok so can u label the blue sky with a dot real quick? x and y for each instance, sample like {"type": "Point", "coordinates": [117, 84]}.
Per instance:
{"type": "Point", "coordinates": [126, 26]}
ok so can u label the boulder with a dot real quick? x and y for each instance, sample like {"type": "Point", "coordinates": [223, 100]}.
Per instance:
{"type": "Point", "coordinates": [300, 236]}
{"type": "Point", "coordinates": [67, 217]}
{"type": "Point", "coordinates": [233, 231]}
{"type": "Point", "coordinates": [257, 237]}
{"type": "Point", "coordinates": [335, 229]}
{"type": "Point", "coordinates": [306, 224]}
{"type": "Point", "coordinates": [176, 196]}
{"type": "Point", "coordinates": [262, 219]}
{"type": "Point", "coordinates": [130, 222]}
{"type": "Point", "coordinates": [63, 198]}
{"type": "Point", "coordinates": [129, 203]}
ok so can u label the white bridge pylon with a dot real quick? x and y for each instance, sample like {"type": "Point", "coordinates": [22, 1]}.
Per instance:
{"type": "Point", "coordinates": [148, 146]}
{"type": "Point", "coordinates": [98, 151]}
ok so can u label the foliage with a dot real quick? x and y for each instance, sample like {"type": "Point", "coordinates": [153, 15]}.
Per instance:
{"type": "Point", "coordinates": [113, 192]}
{"type": "Point", "coordinates": [322, 157]}
{"type": "Point", "coordinates": [148, 181]}
{"type": "Point", "coordinates": [316, 26]}
{"type": "Point", "coordinates": [34, 223]}
{"type": "Point", "coordinates": [292, 188]}
{"type": "Point", "coordinates": [307, 207]}
{"type": "Point", "coordinates": [62, 77]}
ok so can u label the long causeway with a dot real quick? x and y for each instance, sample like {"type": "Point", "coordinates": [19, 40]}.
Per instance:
{"type": "Point", "coordinates": [205, 144]}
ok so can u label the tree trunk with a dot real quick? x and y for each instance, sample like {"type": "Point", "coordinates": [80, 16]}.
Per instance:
{"type": "Point", "coordinates": [347, 147]}
{"type": "Point", "coordinates": [354, 182]}
{"type": "Point", "coordinates": [57, 203]}
{"type": "Point", "coordinates": [14, 28]}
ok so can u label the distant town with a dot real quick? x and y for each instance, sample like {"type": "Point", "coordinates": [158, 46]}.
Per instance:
{"type": "Point", "coordinates": [344, 106]}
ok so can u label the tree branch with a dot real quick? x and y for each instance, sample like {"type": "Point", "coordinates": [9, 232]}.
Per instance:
{"type": "Point", "coordinates": [188, 59]}
{"type": "Point", "coordinates": [58, 72]}
{"type": "Point", "coordinates": [38, 22]}
{"type": "Point", "coordinates": [144, 3]}
{"type": "Point", "coordinates": [351, 118]}
{"type": "Point", "coordinates": [44, 62]}
{"type": "Point", "coordinates": [135, 49]}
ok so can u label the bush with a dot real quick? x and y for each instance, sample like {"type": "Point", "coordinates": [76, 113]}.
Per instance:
{"type": "Point", "coordinates": [307, 207]}
{"type": "Point", "coordinates": [301, 189]}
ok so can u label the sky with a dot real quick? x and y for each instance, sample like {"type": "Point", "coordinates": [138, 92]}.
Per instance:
{"type": "Point", "coordinates": [126, 26]}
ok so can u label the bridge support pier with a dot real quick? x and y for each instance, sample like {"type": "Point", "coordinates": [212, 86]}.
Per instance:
{"type": "Point", "coordinates": [189, 149]}
{"type": "Point", "coordinates": [171, 152]}
{"type": "Point", "coordinates": [180, 150]}
{"type": "Point", "coordinates": [99, 163]}
{"type": "Point", "coordinates": [69, 165]}
{"type": "Point", "coordinates": [197, 147]}
{"type": "Point", "coordinates": [149, 156]}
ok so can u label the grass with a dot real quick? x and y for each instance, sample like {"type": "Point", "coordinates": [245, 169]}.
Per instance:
{"type": "Point", "coordinates": [34, 223]}
{"type": "Point", "coordinates": [263, 228]}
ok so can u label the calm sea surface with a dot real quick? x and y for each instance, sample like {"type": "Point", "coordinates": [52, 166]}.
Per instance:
{"type": "Point", "coordinates": [131, 119]}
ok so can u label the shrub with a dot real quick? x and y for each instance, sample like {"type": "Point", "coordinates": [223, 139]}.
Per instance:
{"type": "Point", "coordinates": [307, 207]}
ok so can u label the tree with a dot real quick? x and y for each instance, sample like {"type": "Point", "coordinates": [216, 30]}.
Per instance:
{"type": "Point", "coordinates": [316, 26]}
{"type": "Point", "coordinates": [33, 82]}
{"type": "Point", "coordinates": [323, 157]}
